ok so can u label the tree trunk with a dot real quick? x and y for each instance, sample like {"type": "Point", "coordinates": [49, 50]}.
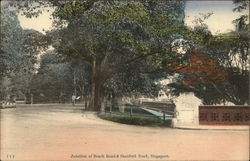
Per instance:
{"type": "Point", "coordinates": [86, 102]}
{"type": "Point", "coordinates": [96, 93]}
{"type": "Point", "coordinates": [100, 74]}
{"type": "Point", "coordinates": [92, 94]}
{"type": "Point", "coordinates": [74, 80]}
{"type": "Point", "coordinates": [96, 88]}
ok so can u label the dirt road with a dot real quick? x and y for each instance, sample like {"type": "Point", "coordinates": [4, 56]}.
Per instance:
{"type": "Point", "coordinates": [52, 132]}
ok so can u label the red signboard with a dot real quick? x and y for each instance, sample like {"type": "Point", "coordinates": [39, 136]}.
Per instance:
{"type": "Point", "coordinates": [224, 115]}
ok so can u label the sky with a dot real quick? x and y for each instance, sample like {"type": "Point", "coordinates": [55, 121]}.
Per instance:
{"type": "Point", "coordinates": [219, 22]}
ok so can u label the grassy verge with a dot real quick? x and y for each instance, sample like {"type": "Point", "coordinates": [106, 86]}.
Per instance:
{"type": "Point", "coordinates": [135, 120]}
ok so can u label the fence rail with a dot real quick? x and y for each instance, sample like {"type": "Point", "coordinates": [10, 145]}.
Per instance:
{"type": "Point", "coordinates": [140, 111]}
{"type": "Point", "coordinates": [224, 115]}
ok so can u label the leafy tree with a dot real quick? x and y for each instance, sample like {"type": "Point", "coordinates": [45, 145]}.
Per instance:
{"type": "Point", "coordinates": [110, 38]}
{"type": "Point", "coordinates": [230, 53]}
{"type": "Point", "coordinates": [201, 74]}
{"type": "Point", "coordinates": [199, 69]}
{"type": "Point", "coordinates": [111, 35]}
{"type": "Point", "coordinates": [241, 22]}
{"type": "Point", "coordinates": [18, 55]}
{"type": "Point", "coordinates": [11, 42]}
{"type": "Point", "coordinates": [52, 80]}
{"type": "Point", "coordinates": [138, 79]}
{"type": "Point", "coordinates": [57, 79]}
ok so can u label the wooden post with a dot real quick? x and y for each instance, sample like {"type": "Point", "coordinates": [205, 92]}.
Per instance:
{"type": "Point", "coordinates": [93, 85]}
{"type": "Point", "coordinates": [164, 114]}
{"type": "Point", "coordinates": [110, 109]}
{"type": "Point", "coordinates": [131, 111]}
{"type": "Point", "coordinates": [105, 109]}
{"type": "Point", "coordinates": [31, 98]}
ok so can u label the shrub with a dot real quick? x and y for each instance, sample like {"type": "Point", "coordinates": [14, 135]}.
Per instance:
{"type": "Point", "coordinates": [143, 121]}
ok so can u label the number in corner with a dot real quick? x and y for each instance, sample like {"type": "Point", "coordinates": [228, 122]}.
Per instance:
{"type": "Point", "coordinates": [10, 156]}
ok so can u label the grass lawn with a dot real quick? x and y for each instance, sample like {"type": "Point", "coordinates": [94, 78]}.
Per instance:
{"type": "Point", "coordinates": [125, 118]}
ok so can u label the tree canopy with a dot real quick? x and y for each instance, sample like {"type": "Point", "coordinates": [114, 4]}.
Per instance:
{"type": "Point", "coordinates": [230, 55]}
{"type": "Point", "coordinates": [112, 35]}
{"type": "Point", "coordinates": [19, 50]}
{"type": "Point", "coordinates": [126, 46]}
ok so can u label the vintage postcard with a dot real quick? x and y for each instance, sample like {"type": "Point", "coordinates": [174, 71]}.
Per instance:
{"type": "Point", "coordinates": [119, 80]}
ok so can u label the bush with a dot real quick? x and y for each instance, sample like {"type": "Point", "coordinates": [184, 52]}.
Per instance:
{"type": "Point", "coordinates": [143, 121]}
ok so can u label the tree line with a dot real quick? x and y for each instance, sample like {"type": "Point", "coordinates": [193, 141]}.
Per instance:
{"type": "Point", "coordinates": [110, 49]}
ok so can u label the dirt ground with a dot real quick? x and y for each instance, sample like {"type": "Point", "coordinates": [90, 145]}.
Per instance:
{"type": "Point", "coordinates": [64, 132]}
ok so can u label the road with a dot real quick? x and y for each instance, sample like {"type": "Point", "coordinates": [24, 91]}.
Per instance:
{"type": "Point", "coordinates": [55, 132]}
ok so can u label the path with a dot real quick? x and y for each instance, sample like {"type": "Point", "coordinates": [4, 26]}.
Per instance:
{"type": "Point", "coordinates": [64, 132]}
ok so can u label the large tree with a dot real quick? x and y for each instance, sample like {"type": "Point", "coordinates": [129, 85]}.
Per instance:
{"type": "Point", "coordinates": [111, 35]}
{"type": "Point", "coordinates": [53, 81]}
{"type": "Point", "coordinates": [19, 49]}
{"type": "Point", "coordinates": [229, 52]}
{"type": "Point", "coordinates": [11, 42]}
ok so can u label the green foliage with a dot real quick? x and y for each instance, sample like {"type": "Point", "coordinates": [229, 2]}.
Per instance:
{"type": "Point", "coordinates": [19, 49]}
{"type": "Point", "coordinates": [70, 10]}
{"type": "Point", "coordinates": [11, 42]}
{"type": "Point", "coordinates": [115, 36]}
{"type": "Point", "coordinates": [136, 79]}
{"type": "Point", "coordinates": [136, 12]}
{"type": "Point", "coordinates": [230, 50]}
{"type": "Point", "coordinates": [126, 119]}
{"type": "Point", "coordinates": [53, 78]}
{"type": "Point", "coordinates": [56, 80]}
{"type": "Point", "coordinates": [241, 23]}
{"type": "Point", "coordinates": [120, 36]}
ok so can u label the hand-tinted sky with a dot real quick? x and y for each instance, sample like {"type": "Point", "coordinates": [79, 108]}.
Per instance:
{"type": "Point", "coordinates": [219, 22]}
